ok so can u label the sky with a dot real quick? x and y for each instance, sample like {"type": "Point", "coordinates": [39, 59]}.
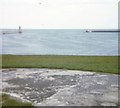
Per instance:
{"type": "Point", "coordinates": [59, 14]}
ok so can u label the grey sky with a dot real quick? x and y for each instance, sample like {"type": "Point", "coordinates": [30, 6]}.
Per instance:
{"type": "Point", "coordinates": [59, 14]}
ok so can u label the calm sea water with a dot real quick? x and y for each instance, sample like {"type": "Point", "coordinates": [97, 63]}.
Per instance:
{"type": "Point", "coordinates": [60, 42]}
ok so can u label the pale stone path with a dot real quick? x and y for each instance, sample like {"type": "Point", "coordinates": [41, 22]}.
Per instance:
{"type": "Point", "coordinates": [55, 87]}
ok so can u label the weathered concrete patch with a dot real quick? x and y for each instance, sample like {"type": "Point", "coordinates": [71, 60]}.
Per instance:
{"type": "Point", "coordinates": [55, 87]}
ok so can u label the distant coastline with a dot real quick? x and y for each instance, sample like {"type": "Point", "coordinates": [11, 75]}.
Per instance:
{"type": "Point", "coordinates": [102, 30]}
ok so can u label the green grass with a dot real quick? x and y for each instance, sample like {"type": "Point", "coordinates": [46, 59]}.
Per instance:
{"type": "Point", "coordinates": [7, 101]}
{"type": "Point", "coordinates": [107, 64]}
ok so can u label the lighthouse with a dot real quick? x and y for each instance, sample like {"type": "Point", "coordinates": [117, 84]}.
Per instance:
{"type": "Point", "coordinates": [20, 31]}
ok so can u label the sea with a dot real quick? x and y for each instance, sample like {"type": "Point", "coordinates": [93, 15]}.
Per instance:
{"type": "Point", "coordinates": [59, 42]}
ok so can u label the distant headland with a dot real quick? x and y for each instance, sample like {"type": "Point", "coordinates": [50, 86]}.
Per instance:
{"type": "Point", "coordinates": [19, 30]}
{"type": "Point", "coordinates": [102, 30]}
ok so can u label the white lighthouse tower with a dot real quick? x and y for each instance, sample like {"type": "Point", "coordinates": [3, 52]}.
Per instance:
{"type": "Point", "coordinates": [20, 31]}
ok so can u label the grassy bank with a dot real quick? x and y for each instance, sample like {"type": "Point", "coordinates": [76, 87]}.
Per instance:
{"type": "Point", "coordinates": [7, 101]}
{"type": "Point", "coordinates": [87, 63]}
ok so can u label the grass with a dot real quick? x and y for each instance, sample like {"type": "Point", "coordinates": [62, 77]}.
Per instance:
{"type": "Point", "coordinates": [7, 102]}
{"type": "Point", "coordinates": [105, 64]}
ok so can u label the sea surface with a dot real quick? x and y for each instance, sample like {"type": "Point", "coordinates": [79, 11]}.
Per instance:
{"type": "Point", "coordinates": [59, 42]}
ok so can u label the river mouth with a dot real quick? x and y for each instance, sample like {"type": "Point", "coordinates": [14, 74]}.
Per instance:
{"type": "Point", "coordinates": [56, 87]}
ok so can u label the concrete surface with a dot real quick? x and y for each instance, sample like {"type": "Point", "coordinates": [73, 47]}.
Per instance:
{"type": "Point", "coordinates": [56, 87]}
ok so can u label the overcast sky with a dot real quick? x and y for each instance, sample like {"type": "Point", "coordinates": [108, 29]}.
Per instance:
{"type": "Point", "coordinates": [59, 14]}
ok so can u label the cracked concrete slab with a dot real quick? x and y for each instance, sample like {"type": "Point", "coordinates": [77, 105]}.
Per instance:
{"type": "Point", "coordinates": [57, 87]}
